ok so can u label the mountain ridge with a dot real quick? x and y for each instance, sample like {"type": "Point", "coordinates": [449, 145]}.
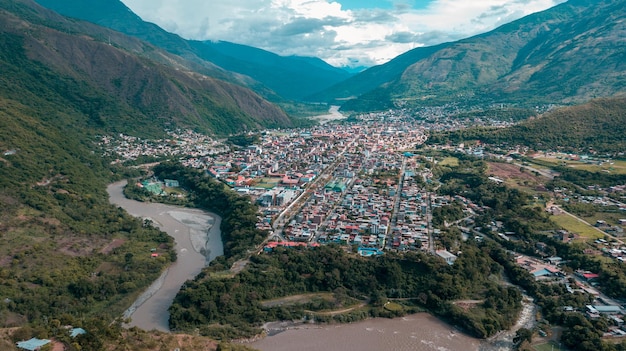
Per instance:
{"type": "Point", "coordinates": [566, 54]}
{"type": "Point", "coordinates": [290, 77]}
{"type": "Point", "coordinates": [131, 77]}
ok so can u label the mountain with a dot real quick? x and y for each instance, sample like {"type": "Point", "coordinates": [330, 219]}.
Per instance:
{"type": "Point", "coordinates": [376, 76]}
{"type": "Point", "coordinates": [291, 77]}
{"type": "Point", "coordinates": [56, 220]}
{"type": "Point", "coordinates": [122, 86]}
{"type": "Point", "coordinates": [569, 53]}
{"type": "Point", "coordinates": [67, 256]}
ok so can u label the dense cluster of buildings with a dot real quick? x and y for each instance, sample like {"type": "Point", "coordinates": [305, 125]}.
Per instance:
{"type": "Point", "coordinates": [179, 143]}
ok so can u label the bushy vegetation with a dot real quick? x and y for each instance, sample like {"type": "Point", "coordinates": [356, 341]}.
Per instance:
{"type": "Point", "coordinates": [235, 304]}
{"type": "Point", "coordinates": [598, 125]}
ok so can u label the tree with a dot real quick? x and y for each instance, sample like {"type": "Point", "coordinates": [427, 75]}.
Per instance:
{"type": "Point", "coordinates": [522, 335]}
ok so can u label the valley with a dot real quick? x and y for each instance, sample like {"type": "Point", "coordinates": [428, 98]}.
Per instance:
{"type": "Point", "coordinates": [165, 192]}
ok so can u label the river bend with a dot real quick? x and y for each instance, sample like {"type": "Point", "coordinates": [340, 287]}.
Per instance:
{"type": "Point", "coordinates": [198, 241]}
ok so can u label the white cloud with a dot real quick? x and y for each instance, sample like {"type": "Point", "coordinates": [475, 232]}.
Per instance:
{"type": "Point", "coordinates": [324, 29]}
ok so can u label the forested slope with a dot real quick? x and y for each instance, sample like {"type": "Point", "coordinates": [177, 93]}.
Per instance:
{"type": "Point", "coordinates": [599, 125]}
{"type": "Point", "coordinates": [66, 254]}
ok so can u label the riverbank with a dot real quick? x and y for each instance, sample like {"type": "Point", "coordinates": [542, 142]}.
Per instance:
{"type": "Point", "coordinates": [420, 331]}
{"type": "Point", "coordinates": [198, 241]}
{"type": "Point", "coordinates": [503, 341]}
{"type": "Point", "coordinates": [333, 115]}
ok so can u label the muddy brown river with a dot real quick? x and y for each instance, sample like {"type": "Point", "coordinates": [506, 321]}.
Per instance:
{"type": "Point", "coordinates": [417, 332]}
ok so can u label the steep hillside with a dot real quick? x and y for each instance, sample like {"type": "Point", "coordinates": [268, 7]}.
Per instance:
{"type": "Point", "coordinates": [66, 254]}
{"type": "Point", "coordinates": [291, 77]}
{"type": "Point", "coordinates": [118, 79]}
{"type": "Point", "coordinates": [599, 125]}
{"type": "Point", "coordinates": [56, 222]}
{"type": "Point", "coordinates": [569, 53]}
{"type": "Point", "coordinates": [375, 76]}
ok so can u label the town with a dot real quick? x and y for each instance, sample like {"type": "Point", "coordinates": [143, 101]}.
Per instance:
{"type": "Point", "coordinates": [368, 185]}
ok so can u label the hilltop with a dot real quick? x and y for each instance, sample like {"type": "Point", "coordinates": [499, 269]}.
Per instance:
{"type": "Point", "coordinates": [598, 125]}
{"type": "Point", "coordinates": [567, 54]}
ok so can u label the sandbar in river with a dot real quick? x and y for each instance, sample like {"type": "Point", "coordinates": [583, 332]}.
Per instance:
{"type": "Point", "coordinates": [198, 241]}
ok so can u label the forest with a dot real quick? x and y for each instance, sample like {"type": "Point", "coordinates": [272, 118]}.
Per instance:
{"type": "Point", "coordinates": [233, 307]}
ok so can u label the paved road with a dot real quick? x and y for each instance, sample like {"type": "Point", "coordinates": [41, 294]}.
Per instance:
{"type": "Point", "coordinates": [543, 172]}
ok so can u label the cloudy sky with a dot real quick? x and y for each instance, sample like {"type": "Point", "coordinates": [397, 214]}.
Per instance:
{"type": "Point", "coordinates": [341, 32]}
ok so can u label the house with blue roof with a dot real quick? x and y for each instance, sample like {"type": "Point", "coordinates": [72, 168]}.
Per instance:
{"type": "Point", "coordinates": [33, 344]}
{"type": "Point", "coordinates": [77, 331]}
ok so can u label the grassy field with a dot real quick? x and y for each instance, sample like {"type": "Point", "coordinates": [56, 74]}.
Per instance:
{"type": "Point", "coordinates": [611, 218]}
{"type": "Point", "coordinates": [573, 225]}
{"type": "Point", "coordinates": [612, 169]}
{"type": "Point", "coordinates": [449, 161]}
{"type": "Point", "coordinates": [297, 299]}
{"type": "Point", "coordinates": [267, 183]}
{"type": "Point", "coordinates": [615, 167]}
{"type": "Point", "coordinates": [539, 165]}
{"type": "Point", "coordinates": [392, 306]}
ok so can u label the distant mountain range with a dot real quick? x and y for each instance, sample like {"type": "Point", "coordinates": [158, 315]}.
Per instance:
{"type": "Point", "coordinates": [570, 53]}
{"type": "Point", "coordinates": [291, 77]}
{"type": "Point", "coordinates": [118, 82]}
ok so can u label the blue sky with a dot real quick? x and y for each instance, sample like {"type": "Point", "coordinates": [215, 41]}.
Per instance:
{"type": "Point", "coordinates": [341, 32]}
{"type": "Point", "coordinates": [381, 4]}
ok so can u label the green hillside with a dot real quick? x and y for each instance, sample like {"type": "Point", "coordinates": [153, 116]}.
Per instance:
{"type": "Point", "coordinates": [56, 221]}
{"type": "Point", "coordinates": [291, 77]}
{"type": "Point", "coordinates": [130, 78]}
{"type": "Point", "coordinates": [599, 125]}
{"type": "Point", "coordinates": [66, 254]}
{"type": "Point", "coordinates": [570, 53]}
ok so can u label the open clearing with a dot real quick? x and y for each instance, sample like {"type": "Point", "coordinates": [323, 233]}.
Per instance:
{"type": "Point", "coordinates": [548, 346]}
{"type": "Point", "coordinates": [449, 161]}
{"type": "Point", "coordinates": [297, 299]}
{"type": "Point", "coordinates": [577, 226]}
{"type": "Point", "coordinates": [513, 176]}
{"type": "Point", "coordinates": [614, 166]}
{"type": "Point", "coordinates": [268, 182]}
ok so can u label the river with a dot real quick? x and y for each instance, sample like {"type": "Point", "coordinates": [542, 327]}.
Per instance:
{"type": "Point", "coordinates": [198, 241]}
{"type": "Point", "coordinates": [333, 115]}
{"type": "Point", "coordinates": [417, 332]}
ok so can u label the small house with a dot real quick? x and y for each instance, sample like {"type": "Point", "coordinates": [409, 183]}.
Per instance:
{"type": "Point", "coordinates": [447, 256]}
{"type": "Point", "coordinates": [33, 344]}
